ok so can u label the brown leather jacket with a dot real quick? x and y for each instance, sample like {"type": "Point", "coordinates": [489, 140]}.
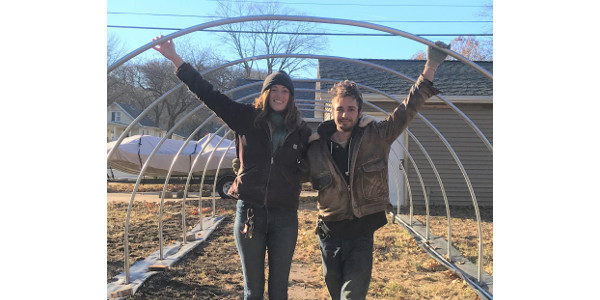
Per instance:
{"type": "Point", "coordinates": [370, 145]}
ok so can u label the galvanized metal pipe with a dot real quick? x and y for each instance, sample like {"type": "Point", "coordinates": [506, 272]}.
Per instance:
{"type": "Point", "coordinates": [164, 95]}
{"type": "Point", "coordinates": [360, 62]}
{"type": "Point", "coordinates": [187, 183]}
{"type": "Point", "coordinates": [365, 63]}
{"type": "Point", "coordinates": [443, 190]}
{"type": "Point", "coordinates": [463, 171]}
{"type": "Point", "coordinates": [372, 26]}
{"type": "Point", "coordinates": [467, 180]}
{"type": "Point", "coordinates": [214, 206]}
{"type": "Point", "coordinates": [162, 197]}
{"type": "Point", "coordinates": [168, 177]}
{"type": "Point", "coordinates": [427, 222]}
{"type": "Point", "coordinates": [135, 188]}
{"type": "Point", "coordinates": [137, 120]}
{"type": "Point", "coordinates": [208, 160]}
{"type": "Point", "coordinates": [470, 187]}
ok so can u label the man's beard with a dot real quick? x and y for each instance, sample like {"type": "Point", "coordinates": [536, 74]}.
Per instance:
{"type": "Point", "coordinates": [345, 126]}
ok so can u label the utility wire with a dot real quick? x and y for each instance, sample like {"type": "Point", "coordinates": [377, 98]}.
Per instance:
{"type": "Point", "coordinates": [356, 4]}
{"type": "Point", "coordinates": [303, 33]}
{"type": "Point", "coordinates": [218, 17]}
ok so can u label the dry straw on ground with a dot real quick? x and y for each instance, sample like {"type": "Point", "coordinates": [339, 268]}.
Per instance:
{"type": "Point", "coordinates": [402, 270]}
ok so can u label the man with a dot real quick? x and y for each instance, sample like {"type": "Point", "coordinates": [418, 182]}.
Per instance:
{"type": "Point", "coordinates": [348, 158]}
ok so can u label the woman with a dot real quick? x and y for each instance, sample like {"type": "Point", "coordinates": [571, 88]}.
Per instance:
{"type": "Point", "coordinates": [270, 139]}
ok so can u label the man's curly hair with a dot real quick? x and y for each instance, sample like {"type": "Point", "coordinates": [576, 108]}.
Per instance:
{"type": "Point", "coordinates": [347, 88]}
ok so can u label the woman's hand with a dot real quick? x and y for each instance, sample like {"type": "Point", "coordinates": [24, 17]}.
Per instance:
{"type": "Point", "coordinates": [167, 49]}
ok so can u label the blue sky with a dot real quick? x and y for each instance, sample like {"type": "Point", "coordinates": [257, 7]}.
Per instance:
{"type": "Point", "coordinates": [399, 15]}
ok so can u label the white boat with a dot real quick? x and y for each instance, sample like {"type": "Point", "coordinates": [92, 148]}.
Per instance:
{"type": "Point", "coordinates": [133, 153]}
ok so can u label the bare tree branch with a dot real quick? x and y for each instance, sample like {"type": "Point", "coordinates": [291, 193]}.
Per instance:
{"type": "Point", "coordinates": [265, 40]}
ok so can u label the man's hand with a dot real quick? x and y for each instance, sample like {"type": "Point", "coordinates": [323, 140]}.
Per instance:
{"type": "Point", "coordinates": [435, 57]}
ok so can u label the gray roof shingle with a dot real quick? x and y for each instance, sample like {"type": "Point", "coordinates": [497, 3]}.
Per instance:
{"type": "Point", "coordinates": [452, 77]}
{"type": "Point", "coordinates": [133, 112]}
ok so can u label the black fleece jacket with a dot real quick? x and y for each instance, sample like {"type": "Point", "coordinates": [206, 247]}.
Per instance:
{"type": "Point", "coordinates": [264, 178]}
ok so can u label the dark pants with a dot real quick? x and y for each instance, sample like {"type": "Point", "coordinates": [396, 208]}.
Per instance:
{"type": "Point", "coordinates": [347, 265]}
{"type": "Point", "coordinates": [275, 231]}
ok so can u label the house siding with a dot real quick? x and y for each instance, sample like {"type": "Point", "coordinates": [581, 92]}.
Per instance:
{"type": "Point", "coordinates": [114, 129]}
{"type": "Point", "coordinates": [471, 151]}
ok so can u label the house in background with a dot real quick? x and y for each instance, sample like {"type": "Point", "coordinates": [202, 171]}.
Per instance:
{"type": "Point", "coordinates": [120, 115]}
{"type": "Point", "coordinates": [467, 89]}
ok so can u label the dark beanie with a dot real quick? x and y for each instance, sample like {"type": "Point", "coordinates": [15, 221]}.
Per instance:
{"type": "Point", "coordinates": [279, 77]}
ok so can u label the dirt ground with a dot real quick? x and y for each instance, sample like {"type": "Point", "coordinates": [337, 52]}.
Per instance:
{"type": "Point", "coordinates": [402, 270]}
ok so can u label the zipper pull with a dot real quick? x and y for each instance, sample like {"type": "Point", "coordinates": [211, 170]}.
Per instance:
{"type": "Point", "coordinates": [271, 159]}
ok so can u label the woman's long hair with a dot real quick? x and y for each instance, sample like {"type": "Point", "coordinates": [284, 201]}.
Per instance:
{"type": "Point", "coordinates": [291, 115]}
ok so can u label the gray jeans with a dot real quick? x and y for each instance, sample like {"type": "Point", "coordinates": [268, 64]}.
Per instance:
{"type": "Point", "coordinates": [347, 265]}
{"type": "Point", "coordinates": [275, 230]}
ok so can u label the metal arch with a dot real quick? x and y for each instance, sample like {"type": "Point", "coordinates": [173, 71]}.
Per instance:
{"type": "Point", "coordinates": [205, 168]}
{"type": "Point", "coordinates": [442, 189]}
{"type": "Point", "coordinates": [214, 208]}
{"type": "Point", "coordinates": [422, 187]}
{"type": "Point", "coordinates": [373, 106]}
{"type": "Point", "coordinates": [452, 106]}
{"type": "Point", "coordinates": [365, 63]}
{"type": "Point", "coordinates": [137, 120]}
{"type": "Point", "coordinates": [299, 19]}
{"type": "Point", "coordinates": [204, 172]}
{"type": "Point", "coordinates": [359, 62]}
{"type": "Point", "coordinates": [189, 175]}
{"type": "Point", "coordinates": [457, 160]}
{"type": "Point", "coordinates": [168, 177]}
{"type": "Point", "coordinates": [414, 137]}
{"type": "Point", "coordinates": [412, 160]}
{"type": "Point", "coordinates": [414, 164]}
{"type": "Point", "coordinates": [162, 197]}
{"type": "Point", "coordinates": [462, 169]}
{"type": "Point", "coordinates": [202, 181]}
{"type": "Point", "coordinates": [137, 183]}
{"type": "Point", "coordinates": [187, 183]}
{"type": "Point", "coordinates": [316, 20]}
{"type": "Point", "coordinates": [155, 150]}
{"type": "Point", "coordinates": [471, 191]}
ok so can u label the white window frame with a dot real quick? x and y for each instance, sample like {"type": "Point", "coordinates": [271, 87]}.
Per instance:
{"type": "Point", "coordinates": [115, 116]}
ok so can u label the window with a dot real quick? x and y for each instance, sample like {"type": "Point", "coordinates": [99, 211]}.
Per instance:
{"type": "Point", "coordinates": [115, 116]}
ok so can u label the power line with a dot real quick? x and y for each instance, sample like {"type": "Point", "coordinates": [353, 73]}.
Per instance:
{"type": "Point", "coordinates": [356, 4]}
{"type": "Point", "coordinates": [158, 15]}
{"type": "Point", "coordinates": [302, 33]}
{"type": "Point", "coordinates": [375, 21]}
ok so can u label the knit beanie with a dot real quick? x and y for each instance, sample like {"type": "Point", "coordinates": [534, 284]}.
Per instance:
{"type": "Point", "coordinates": [279, 77]}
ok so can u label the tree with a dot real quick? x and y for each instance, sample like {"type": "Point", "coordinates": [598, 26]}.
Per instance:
{"type": "Point", "coordinates": [140, 82]}
{"type": "Point", "coordinates": [261, 37]}
{"type": "Point", "coordinates": [116, 88]}
{"type": "Point", "coordinates": [114, 49]}
{"type": "Point", "coordinates": [468, 47]}
{"type": "Point", "coordinates": [471, 48]}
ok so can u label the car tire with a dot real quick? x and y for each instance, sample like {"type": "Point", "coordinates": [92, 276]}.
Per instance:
{"type": "Point", "coordinates": [223, 186]}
